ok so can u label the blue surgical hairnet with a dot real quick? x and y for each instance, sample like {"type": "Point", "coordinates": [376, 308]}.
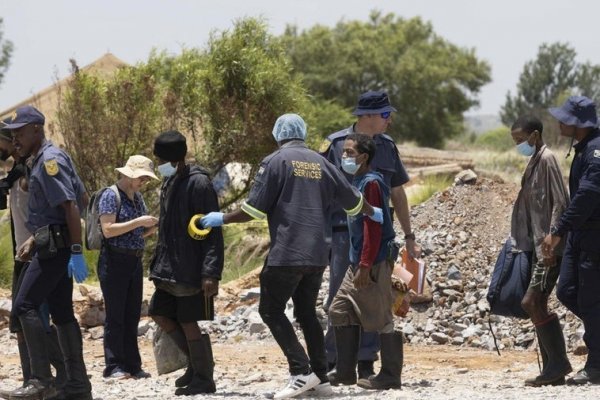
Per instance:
{"type": "Point", "coordinates": [289, 126]}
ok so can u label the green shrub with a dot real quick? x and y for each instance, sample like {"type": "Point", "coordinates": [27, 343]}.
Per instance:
{"type": "Point", "coordinates": [430, 186]}
{"type": "Point", "coordinates": [498, 139]}
{"type": "Point", "coordinates": [6, 252]}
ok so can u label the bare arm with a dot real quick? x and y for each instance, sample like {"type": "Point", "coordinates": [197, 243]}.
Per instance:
{"type": "Point", "coordinates": [111, 228]}
{"type": "Point", "coordinates": [400, 203]}
{"type": "Point", "coordinates": [236, 216]}
{"type": "Point", "coordinates": [73, 217]}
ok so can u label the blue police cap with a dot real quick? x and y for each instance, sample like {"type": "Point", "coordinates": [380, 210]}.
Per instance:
{"type": "Point", "coordinates": [373, 102]}
{"type": "Point", "coordinates": [578, 111]}
{"type": "Point", "coordinates": [24, 116]}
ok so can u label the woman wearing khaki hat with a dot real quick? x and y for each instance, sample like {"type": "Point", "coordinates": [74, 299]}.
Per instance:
{"type": "Point", "coordinates": [125, 224]}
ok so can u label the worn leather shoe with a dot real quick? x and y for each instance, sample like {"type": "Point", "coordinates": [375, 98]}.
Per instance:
{"type": "Point", "coordinates": [34, 389]}
{"type": "Point", "coordinates": [589, 375]}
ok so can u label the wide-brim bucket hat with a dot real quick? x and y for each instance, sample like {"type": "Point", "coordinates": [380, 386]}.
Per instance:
{"type": "Point", "coordinates": [579, 111]}
{"type": "Point", "coordinates": [373, 102]}
{"type": "Point", "coordinates": [138, 166]}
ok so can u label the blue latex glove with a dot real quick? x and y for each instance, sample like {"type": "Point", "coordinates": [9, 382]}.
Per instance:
{"type": "Point", "coordinates": [77, 267]}
{"type": "Point", "coordinates": [377, 215]}
{"type": "Point", "coordinates": [213, 219]}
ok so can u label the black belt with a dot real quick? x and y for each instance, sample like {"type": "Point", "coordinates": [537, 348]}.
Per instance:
{"type": "Point", "coordinates": [123, 250]}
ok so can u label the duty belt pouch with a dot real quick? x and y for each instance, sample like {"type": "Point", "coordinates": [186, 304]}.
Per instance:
{"type": "Point", "coordinates": [44, 243]}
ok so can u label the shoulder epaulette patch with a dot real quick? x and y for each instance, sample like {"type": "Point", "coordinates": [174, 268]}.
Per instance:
{"type": "Point", "coordinates": [51, 167]}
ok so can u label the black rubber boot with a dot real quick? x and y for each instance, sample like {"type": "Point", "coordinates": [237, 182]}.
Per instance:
{"type": "Point", "coordinates": [347, 340]}
{"type": "Point", "coordinates": [24, 356]}
{"type": "Point", "coordinates": [201, 358]}
{"type": "Point", "coordinates": [40, 385]}
{"type": "Point", "coordinates": [179, 338]}
{"type": "Point", "coordinates": [57, 361]}
{"type": "Point", "coordinates": [392, 358]}
{"type": "Point", "coordinates": [365, 369]}
{"type": "Point", "coordinates": [557, 366]}
{"type": "Point", "coordinates": [78, 386]}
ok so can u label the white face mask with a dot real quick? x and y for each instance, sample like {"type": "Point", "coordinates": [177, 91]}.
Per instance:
{"type": "Point", "coordinates": [167, 169]}
{"type": "Point", "coordinates": [526, 149]}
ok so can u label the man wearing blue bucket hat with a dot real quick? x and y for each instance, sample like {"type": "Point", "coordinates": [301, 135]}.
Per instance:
{"type": "Point", "coordinates": [579, 284]}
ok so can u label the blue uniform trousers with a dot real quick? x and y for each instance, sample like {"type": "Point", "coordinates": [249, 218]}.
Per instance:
{"type": "Point", "coordinates": [121, 280]}
{"type": "Point", "coordinates": [300, 283]}
{"type": "Point", "coordinates": [338, 266]}
{"type": "Point", "coordinates": [47, 280]}
{"type": "Point", "coordinates": [579, 287]}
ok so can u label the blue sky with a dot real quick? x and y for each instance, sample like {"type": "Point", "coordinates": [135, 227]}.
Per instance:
{"type": "Point", "coordinates": [46, 34]}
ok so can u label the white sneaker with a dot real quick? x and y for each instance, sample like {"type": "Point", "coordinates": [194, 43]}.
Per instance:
{"type": "Point", "coordinates": [298, 384]}
{"type": "Point", "coordinates": [321, 390]}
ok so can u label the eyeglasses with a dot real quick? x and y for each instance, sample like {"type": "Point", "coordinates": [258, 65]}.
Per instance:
{"type": "Point", "coordinates": [386, 115]}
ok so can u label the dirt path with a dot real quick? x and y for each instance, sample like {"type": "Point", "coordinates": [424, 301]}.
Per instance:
{"type": "Point", "coordinates": [254, 369]}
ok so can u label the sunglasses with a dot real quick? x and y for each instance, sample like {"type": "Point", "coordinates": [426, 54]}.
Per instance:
{"type": "Point", "coordinates": [386, 115]}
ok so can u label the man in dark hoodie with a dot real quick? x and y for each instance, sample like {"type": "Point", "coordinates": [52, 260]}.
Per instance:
{"type": "Point", "coordinates": [185, 271]}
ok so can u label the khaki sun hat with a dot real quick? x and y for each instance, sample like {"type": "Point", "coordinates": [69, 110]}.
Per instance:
{"type": "Point", "coordinates": [138, 166]}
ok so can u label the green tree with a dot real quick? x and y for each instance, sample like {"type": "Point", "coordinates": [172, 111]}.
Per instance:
{"type": "Point", "coordinates": [543, 80]}
{"type": "Point", "coordinates": [104, 121]}
{"type": "Point", "coordinates": [6, 49]}
{"type": "Point", "coordinates": [430, 80]}
{"type": "Point", "coordinates": [548, 81]}
{"type": "Point", "coordinates": [225, 98]}
{"type": "Point", "coordinates": [588, 81]}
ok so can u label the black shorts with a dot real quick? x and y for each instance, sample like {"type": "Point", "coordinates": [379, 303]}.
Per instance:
{"type": "Point", "coordinates": [182, 309]}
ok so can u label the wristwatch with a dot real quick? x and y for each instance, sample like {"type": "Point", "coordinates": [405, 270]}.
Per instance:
{"type": "Point", "coordinates": [76, 248]}
{"type": "Point", "coordinates": [410, 236]}
{"type": "Point", "coordinates": [554, 231]}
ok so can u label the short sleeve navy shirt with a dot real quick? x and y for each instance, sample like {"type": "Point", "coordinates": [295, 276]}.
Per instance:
{"type": "Point", "coordinates": [52, 182]}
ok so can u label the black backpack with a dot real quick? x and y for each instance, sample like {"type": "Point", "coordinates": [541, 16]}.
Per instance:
{"type": "Point", "coordinates": [510, 280]}
{"type": "Point", "coordinates": [93, 230]}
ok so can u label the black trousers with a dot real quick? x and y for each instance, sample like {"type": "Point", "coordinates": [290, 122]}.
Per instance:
{"type": "Point", "coordinates": [47, 280]}
{"type": "Point", "coordinates": [300, 283]}
{"type": "Point", "coordinates": [121, 280]}
{"type": "Point", "coordinates": [18, 275]}
{"type": "Point", "coordinates": [579, 287]}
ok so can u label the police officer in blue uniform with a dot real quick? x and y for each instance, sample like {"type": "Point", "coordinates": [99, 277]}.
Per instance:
{"type": "Point", "coordinates": [374, 113]}
{"type": "Point", "coordinates": [579, 284]}
{"type": "Point", "coordinates": [56, 194]}
{"type": "Point", "coordinates": [296, 190]}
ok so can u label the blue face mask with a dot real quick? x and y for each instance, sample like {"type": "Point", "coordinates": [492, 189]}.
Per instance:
{"type": "Point", "coordinates": [349, 165]}
{"type": "Point", "coordinates": [167, 169]}
{"type": "Point", "coordinates": [526, 149]}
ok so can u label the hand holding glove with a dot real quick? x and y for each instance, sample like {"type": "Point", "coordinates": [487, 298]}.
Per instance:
{"type": "Point", "coordinates": [377, 215]}
{"type": "Point", "coordinates": [213, 219]}
{"type": "Point", "coordinates": [77, 267]}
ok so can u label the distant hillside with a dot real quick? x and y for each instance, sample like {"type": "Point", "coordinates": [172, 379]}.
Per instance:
{"type": "Point", "coordinates": [482, 123]}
